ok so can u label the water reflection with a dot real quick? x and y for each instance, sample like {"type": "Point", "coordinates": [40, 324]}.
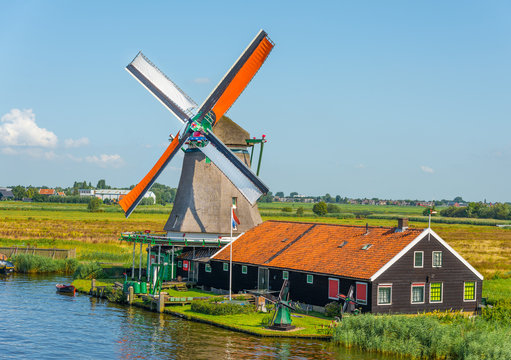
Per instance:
{"type": "Point", "coordinates": [36, 322]}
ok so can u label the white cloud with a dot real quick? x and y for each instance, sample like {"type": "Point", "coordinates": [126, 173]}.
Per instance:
{"type": "Point", "coordinates": [201, 80]}
{"type": "Point", "coordinates": [18, 128]}
{"type": "Point", "coordinates": [427, 169]}
{"type": "Point", "coordinates": [71, 143]}
{"type": "Point", "coordinates": [105, 160]}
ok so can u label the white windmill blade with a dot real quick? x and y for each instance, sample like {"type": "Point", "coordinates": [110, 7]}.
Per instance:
{"type": "Point", "coordinates": [164, 89]}
{"type": "Point", "coordinates": [250, 186]}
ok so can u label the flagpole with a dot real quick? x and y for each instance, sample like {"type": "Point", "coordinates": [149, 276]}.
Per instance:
{"type": "Point", "coordinates": [230, 261]}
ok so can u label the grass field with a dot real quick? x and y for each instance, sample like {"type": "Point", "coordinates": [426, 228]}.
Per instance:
{"type": "Point", "coordinates": [95, 235]}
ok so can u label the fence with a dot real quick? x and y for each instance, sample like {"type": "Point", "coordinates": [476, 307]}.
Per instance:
{"type": "Point", "coordinates": [53, 253]}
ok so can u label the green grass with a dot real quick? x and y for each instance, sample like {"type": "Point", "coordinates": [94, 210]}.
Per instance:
{"type": "Point", "coordinates": [189, 293]}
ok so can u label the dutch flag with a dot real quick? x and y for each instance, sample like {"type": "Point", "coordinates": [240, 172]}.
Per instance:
{"type": "Point", "coordinates": [234, 220]}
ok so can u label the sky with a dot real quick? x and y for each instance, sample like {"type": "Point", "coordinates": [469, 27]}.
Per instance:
{"type": "Point", "coordinates": [387, 99]}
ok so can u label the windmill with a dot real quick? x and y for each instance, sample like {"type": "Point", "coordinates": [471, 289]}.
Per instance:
{"type": "Point", "coordinates": [199, 123]}
{"type": "Point", "coordinates": [349, 302]}
{"type": "Point", "coordinates": [281, 319]}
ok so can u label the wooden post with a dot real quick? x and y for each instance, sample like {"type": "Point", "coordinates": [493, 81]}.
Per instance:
{"type": "Point", "coordinates": [131, 295]}
{"type": "Point", "coordinates": [161, 302]}
{"type": "Point", "coordinates": [92, 286]}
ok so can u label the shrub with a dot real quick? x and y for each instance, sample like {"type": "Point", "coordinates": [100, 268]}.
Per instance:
{"type": "Point", "coordinates": [333, 209]}
{"type": "Point", "coordinates": [94, 204]}
{"type": "Point", "coordinates": [266, 320]}
{"type": "Point", "coordinates": [287, 209]}
{"type": "Point", "coordinates": [219, 308]}
{"type": "Point", "coordinates": [27, 263]}
{"type": "Point", "coordinates": [92, 270]}
{"type": "Point", "coordinates": [299, 211]}
{"type": "Point", "coordinates": [333, 309]}
{"type": "Point", "coordinates": [320, 208]}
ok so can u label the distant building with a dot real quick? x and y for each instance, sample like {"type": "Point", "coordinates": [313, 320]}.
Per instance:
{"type": "Point", "coordinates": [6, 194]}
{"type": "Point", "coordinates": [112, 194]}
{"type": "Point", "coordinates": [47, 192]}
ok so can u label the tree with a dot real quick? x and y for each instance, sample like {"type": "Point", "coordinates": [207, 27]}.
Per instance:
{"type": "Point", "coordinates": [102, 184]}
{"type": "Point", "coordinates": [328, 198]}
{"type": "Point", "coordinates": [320, 208]}
{"type": "Point", "coordinates": [333, 209]}
{"type": "Point", "coordinates": [458, 199]}
{"type": "Point", "coordinates": [280, 194]}
{"type": "Point", "coordinates": [268, 198]}
{"type": "Point", "coordinates": [19, 192]}
{"type": "Point", "coordinates": [338, 198]}
{"type": "Point", "coordinates": [299, 211]}
{"type": "Point", "coordinates": [94, 204]}
{"type": "Point", "coordinates": [293, 194]}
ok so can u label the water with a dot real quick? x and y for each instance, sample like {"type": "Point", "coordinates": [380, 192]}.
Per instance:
{"type": "Point", "coordinates": [36, 322]}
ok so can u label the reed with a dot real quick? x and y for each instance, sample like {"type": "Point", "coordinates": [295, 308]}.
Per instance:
{"type": "Point", "coordinates": [27, 263]}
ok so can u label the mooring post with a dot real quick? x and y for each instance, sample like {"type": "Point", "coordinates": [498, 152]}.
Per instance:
{"type": "Point", "coordinates": [133, 263]}
{"type": "Point", "coordinates": [92, 286]}
{"type": "Point", "coordinates": [161, 302]}
{"type": "Point", "coordinates": [131, 294]}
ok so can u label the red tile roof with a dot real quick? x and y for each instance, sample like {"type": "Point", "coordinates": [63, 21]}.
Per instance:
{"type": "Point", "coordinates": [47, 191]}
{"type": "Point", "coordinates": [313, 247]}
{"type": "Point", "coordinates": [61, 193]}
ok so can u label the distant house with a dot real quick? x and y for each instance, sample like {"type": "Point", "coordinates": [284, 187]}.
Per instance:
{"type": "Point", "coordinates": [6, 194]}
{"type": "Point", "coordinates": [112, 194]}
{"type": "Point", "coordinates": [47, 192]}
{"type": "Point", "coordinates": [61, 193]}
{"type": "Point", "coordinates": [392, 270]}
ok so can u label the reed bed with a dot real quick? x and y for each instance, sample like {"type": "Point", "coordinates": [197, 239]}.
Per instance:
{"type": "Point", "coordinates": [26, 263]}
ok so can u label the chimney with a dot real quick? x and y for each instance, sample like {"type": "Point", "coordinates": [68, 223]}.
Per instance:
{"type": "Point", "coordinates": [402, 224]}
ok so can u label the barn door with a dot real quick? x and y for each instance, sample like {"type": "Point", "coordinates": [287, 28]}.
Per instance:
{"type": "Point", "coordinates": [333, 288]}
{"type": "Point", "coordinates": [263, 279]}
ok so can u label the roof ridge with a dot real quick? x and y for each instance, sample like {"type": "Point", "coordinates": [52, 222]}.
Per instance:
{"type": "Point", "coordinates": [341, 225]}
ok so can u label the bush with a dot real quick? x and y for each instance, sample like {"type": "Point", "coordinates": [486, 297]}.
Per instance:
{"type": "Point", "coordinates": [333, 209]}
{"type": "Point", "coordinates": [92, 270]}
{"type": "Point", "coordinates": [320, 208]}
{"type": "Point", "coordinates": [333, 309]}
{"type": "Point", "coordinates": [299, 211]}
{"type": "Point", "coordinates": [287, 209]}
{"type": "Point", "coordinates": [94, 204]}
{"type": "Point", "coordinates": [27, 263]}
{"type": "Point", "coordinates": [219, 308]}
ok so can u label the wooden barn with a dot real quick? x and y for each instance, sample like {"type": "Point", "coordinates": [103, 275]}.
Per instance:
{"type": "Point", "coordinates": [392, 269]}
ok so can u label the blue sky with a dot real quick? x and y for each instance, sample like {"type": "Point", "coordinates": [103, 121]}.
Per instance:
{"type": "Point", "coordinates": [393, 99]}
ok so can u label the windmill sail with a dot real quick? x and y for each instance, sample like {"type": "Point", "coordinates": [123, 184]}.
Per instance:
{"type": "Point", "coordinates": [164, 89]}
{"type": "Point", "coordinates": [131, 200]}
{"type": "Point", "coordinates": [238, 76]}
{"type": "Point", "coordinates": [236, 171]}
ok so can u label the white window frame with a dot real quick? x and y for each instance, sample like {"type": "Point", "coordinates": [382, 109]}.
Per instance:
{"type": "Point", "coordinates": [286, 277]}
{"type": "Point", "coordinates": [226, 266]}
{"type": "Point", "coordinates": [423, 286]}
{"type": "Point", "coordinates": [338, 282]}
{"type": "Point", "coordinates": [414, 254]}
{"type": "Point", "coordinates": [364, 302]}
{"type": "Point", "coordinates": [312, 279]}
{"type": "Point", "coordinates": [433, 259]}
{"type": "Point", "coordinates": [378, 294]}
{"type": "Point", "coordinates": [475, 290]}
{"type": "Point", "coordinates": [244, 269]}
{"type": "Point", "coordinates": [207, 268]}
{"type": "Point", "coordinates": [441, 294]}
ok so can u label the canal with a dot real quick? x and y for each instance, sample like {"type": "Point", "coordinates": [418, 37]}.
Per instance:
{"type": "Point", "coordinates": [36, 322]}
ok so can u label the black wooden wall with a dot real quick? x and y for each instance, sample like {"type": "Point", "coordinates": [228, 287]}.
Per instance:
{"type": "Point", "coordinates": [402, 274]}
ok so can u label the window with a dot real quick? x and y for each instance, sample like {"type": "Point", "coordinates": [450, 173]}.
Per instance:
{"type": "Point", "coordinates": [208, 268]}
{"type": "Point", "coordinates": [418, 293]}
{"type": "Point", "coordinates": [385, 294]}
{"type": "Point", "coordinates": [226, 267]}
{"type": "Point", "coordinates": [244, 269]}
{"type": "Point", "coordinates": [437, 259]}
{"type": "Point", "coordinates": [285, 275]}
{"type": "Point", "coordinates": [366, 246]}
{"type": "Point", "coordinates": [310, 279]}
{"type": "Point", "coordinates": [469, 292]}
{"type": "Point", "coordinates": [418, 259]}
{"type": "Point", "coordinates": [361, 292]}
{"type": "Point", "coordinates": [179, 264]}
{"type": "Point", "coordinates": [235, 202]}
{"type": "Point", "coordinates": [435, 292]}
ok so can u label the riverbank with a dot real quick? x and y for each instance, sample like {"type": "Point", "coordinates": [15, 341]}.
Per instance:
{"type": "Point", "coordinates": [308, 327]}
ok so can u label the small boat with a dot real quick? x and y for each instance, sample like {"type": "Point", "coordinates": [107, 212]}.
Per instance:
{"type": "Point", "coordinates": [66, 289]}
{"type": "Point", "coordinates": [6, 267]}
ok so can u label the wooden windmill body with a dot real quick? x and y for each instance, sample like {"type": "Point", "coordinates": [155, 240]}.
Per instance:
{"type": "Point", "coordinates": [205, 195]}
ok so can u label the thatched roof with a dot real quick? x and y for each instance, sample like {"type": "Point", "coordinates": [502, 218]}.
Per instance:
{"type": "Point", "coordinates": [230, 133]}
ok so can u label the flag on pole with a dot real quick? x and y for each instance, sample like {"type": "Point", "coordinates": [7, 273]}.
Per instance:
{"type": "Point", "coordinates": [234, 219]}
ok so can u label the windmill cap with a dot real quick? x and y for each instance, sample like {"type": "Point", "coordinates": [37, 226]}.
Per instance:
{"type": "Point", "coordinates": [230, 133]}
